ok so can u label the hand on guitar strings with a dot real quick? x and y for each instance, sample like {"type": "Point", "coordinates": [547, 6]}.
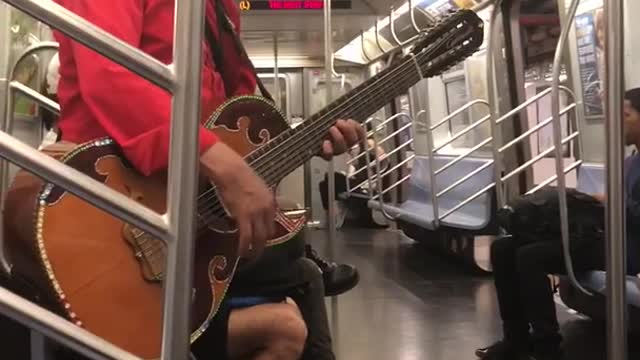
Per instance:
{"type": "Point", "coordinates": [342, 136]}
{"type": "Point", "coordinates": [245, 195]}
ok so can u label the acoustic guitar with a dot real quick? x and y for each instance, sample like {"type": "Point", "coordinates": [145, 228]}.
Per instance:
{"type": "Point", "coordinates": [106, 275]}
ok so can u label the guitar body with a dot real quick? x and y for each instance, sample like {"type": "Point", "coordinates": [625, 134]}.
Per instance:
{"type": "Point", "coordinates": [100, 272]}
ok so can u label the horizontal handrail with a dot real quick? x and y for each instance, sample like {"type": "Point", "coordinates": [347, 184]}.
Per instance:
{"type": "Point", "coordinates": [83, 186]}
{"type": "Point", "coordinates": [554, 177]}
{"type": "Point", "coordinates": [538, 157]}
{"type": "Point", "coordinates": [462, 132]}
{"type": "Point", "coordinates": [465, 178]}
{"type": "Point", "coordinates": [385, 156]}
{"type": "Point", "coordinates": [59, 328]}
{"type": "Point", "coordinates": [393, 186]}
{"type": "Point", "coordinates": [381, 125]}
{"type": "Point", "coordinates": [530, 101]}
{"type": "Point", "coordinates": [535, 128]}
{"type": "Point", "coordinates": [463, 155]}
{"type": "Point", "coordinates": [458, 111]}
{"type": "Point", "coordinates": [99, 40]}
{"type": "Point", "coordinates": [42, 100]}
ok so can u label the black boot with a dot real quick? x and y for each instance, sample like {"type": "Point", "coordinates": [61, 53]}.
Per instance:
{"type": "Point", "coordinates": [338, 278]}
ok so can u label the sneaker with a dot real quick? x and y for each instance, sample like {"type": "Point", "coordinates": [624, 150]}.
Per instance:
{"type": "Point", "coordinates": [501, 350]}
{"type": "Point", "coordinates": [338, 278]}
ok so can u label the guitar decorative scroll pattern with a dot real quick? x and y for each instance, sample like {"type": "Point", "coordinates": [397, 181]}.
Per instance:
{"type": "Point", "coordinates": [106, 275]}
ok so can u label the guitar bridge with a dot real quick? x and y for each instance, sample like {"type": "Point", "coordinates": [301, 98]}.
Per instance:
{"type": "Point", "coordinates": [149, 251]}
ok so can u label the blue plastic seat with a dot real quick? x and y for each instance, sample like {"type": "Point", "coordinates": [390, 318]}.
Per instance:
{"type": "Point", "coordinates": [418, 208]}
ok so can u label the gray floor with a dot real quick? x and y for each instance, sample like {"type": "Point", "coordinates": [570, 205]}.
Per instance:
{"type": "Point", "coordinates": [413, 304]}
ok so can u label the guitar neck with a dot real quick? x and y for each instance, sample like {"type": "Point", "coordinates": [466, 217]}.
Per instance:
{"type": "Point", "coordinates": [296, 146]}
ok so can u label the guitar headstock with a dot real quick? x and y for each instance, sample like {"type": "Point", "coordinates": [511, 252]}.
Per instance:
{"type": "Point", "coordinates": [450, 40]}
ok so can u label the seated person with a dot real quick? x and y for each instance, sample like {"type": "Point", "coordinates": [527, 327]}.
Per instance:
{"type": "Point", "coordinates": [357, 208]}
{"type": "Point", "coordinates": [520, 268]}
{"type": "Point", "coordinates": [100, 98]}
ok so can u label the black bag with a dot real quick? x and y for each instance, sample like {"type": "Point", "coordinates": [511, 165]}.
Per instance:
{"type": "Point", "coordinates": [536, 217]}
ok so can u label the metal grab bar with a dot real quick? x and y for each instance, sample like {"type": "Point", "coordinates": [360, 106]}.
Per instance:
{"type": "Point", "coordinates": [97, 39]}
{"type": "Point", "coordinates": [462, 132]}
{"type": "Point", "coordinates": [553, 178]}
{"type": "Point", "coordinates": [535, 128]}
{"type": "Point", "coordinates": [386, 156]}
{"type": "Point", "coordinates": [458, 111]}
{"type": "Point", "coordinates": [17, 87]}
{"type": "Point", "coordinates": [59, 328]}
{"type": "Point", "coordinates": [493, 102]}
{"type": "Point", "coordinates": [615, 209]}
{"type": "Point", "coordinates": [538, 157]}
{"type": "Point", "coordinates": [401, 129]}
{"type": "Point", "coordinates": [557, 139]}
{"type": "Point", "coordinates": [463, 155]}
{"type": "Point", "coordinates": [465, 178]}
{"type": "Point", "coordinates": [182, 179]}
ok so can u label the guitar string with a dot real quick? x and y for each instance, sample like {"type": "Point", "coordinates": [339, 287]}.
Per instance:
{"type": "Point", "coordinates": [319, 126]}
{"type": "Point", "coordinates": [286, 148]}
{"type": "Point", "coordinates": [330, 119]}
{"type": "Point", "coordinates": [159, 248]}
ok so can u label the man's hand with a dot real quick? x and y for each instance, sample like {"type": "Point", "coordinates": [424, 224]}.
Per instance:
{"type": "Point", "coordinates": [344, 134]}
{"type": "Point", "coordinates": [244, 194]}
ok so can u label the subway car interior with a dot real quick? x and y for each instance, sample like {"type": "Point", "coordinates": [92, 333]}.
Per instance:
{"type": "Point", "coordinates": [453, 179]}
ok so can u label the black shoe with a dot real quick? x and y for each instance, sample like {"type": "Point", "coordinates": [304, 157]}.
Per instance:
{"type": "Point", "coordinates": [502, 351]}
{"type": "Point", "coordinates": [338, 278]}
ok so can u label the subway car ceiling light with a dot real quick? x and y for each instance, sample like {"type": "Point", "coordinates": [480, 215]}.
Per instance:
{"type": "Point", "coordinates": [425, 13]}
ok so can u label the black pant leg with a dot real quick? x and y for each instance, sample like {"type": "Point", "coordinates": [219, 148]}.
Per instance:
{"type": "Point", "coordinates": [313, 309]}
{"type": "Point", "coordinates": [503, 253]}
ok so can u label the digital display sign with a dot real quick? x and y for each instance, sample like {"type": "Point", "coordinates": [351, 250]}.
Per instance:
{"type": "Point", "coordinates": [246, 5]}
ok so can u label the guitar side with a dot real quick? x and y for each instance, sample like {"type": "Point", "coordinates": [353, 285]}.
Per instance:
{"type": "Point", "coordinates": [83, 260]}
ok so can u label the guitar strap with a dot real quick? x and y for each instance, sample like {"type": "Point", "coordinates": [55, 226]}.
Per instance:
{"type": "Point", "coordinates": [225, 25]}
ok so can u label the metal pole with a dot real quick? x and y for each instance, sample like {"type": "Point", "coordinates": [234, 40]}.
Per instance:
{"type": "Point", "coordinates": [59, 329]}
{"type": "Point", "coordinates": [496, 132]}
{"type": "Point", "coordinates": [183, 178]}
{"type": "Point", "coordinates": [5, 46]}
{"type": "Point", "coordinates": [276, 81]}
{"type": "Point", "coordinates": [328, 69]}
{"type": "Point", "coordinates": [616, 224]}
{"type": "Point", "coordinates": [557, 139]}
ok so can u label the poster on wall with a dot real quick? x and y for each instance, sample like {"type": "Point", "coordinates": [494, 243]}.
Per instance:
{"type": "Point", "coordinates": [590, 43]}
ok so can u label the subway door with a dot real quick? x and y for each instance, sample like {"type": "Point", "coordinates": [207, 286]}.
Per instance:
{"type": "Point", "coordinates": [291, 188]}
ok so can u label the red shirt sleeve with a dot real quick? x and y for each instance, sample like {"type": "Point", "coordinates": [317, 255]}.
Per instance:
{"type": "Point", "coordinates": [133, 111]}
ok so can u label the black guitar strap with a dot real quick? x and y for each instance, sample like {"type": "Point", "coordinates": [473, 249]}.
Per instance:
{"type": "Point", "coordinates": [226, 26]}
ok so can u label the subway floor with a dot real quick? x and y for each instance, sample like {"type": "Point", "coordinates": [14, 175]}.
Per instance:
{"type": "Point", "coordinates": [412, 303]}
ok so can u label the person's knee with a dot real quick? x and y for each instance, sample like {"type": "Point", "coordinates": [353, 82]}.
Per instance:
{"type": "Point", "coordinates": [289, 334]}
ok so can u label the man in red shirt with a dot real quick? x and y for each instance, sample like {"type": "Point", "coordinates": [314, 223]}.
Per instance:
{"type": "Point", "coordinates": [100, 98]}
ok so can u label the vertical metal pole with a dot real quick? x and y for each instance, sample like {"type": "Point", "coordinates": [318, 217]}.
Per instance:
{"type": "Point", "coordinates": [276, 80]}
{"type": "Point", "coordinates": [557, 139]}
{"type": "Point", "coordinates": [616, 224]}
{"type": "Point", "coordinates": [496, 132]}
{"type": "Point", "coordinates": [183, 171]}
{"type": "Point", "coordinates": [5, 48]}
{"type": "Point", "coordinates": [328, 69]}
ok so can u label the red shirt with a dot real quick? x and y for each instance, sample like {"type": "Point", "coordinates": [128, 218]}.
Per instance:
{"type": "Point", "coordinates": [100, 98]}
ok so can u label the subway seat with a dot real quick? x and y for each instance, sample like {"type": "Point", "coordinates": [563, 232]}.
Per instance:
{"type": "Point", "coordinates": [418, 207]}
